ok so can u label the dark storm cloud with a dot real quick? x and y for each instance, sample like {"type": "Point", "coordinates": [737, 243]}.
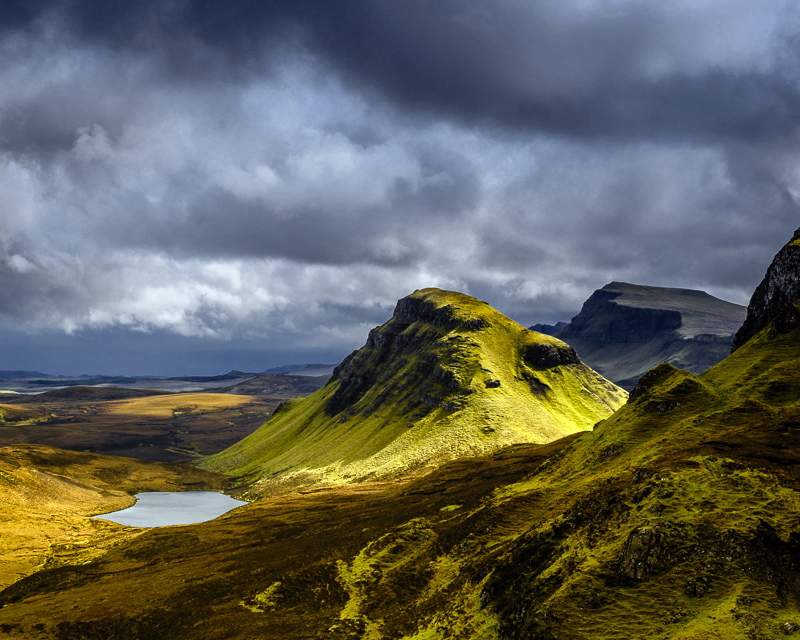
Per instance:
{"type": "Point", "coordinates": [635, 69]}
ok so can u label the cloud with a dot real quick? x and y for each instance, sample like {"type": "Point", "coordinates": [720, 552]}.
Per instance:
{"type": "Point", "coordinates": [285, 172]}
{"type": "Point", "coordinates": [714, 68]}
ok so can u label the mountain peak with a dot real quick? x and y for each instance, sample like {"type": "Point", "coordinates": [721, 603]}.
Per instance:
{"type": "Point", "coordinates": [447, 309]}
{"type": "Point", "coordinates": [774, 302]}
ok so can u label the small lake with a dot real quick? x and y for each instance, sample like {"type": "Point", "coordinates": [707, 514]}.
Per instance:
{"type": "Point", "coordinates": [168, 508]}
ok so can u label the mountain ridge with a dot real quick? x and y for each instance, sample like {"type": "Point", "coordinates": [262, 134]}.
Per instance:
{"type": "Point", "coordinates": [624, 330]}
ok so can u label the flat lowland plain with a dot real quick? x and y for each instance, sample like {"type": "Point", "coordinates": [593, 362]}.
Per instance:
{"type": "Point", "coordinates": [162, 427]}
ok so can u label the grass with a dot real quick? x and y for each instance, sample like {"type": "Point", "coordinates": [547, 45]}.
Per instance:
{"type": "Point", "coordinates": [19, 416]}
{"type": "Point", "coordinates": [675, 518]}
{"type": "Point", "coordinates": [169, 405]}
{"type": "Point", "coordinates": [49, 494]}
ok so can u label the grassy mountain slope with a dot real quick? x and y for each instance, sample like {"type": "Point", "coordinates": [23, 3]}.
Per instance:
{"type": "Point", "coordinates": [676, 518]}
{"type": "Point", "coordinates": [447, 376]}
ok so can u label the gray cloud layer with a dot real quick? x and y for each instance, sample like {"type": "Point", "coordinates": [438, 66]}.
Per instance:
{"type": "Point", "coordinates": [281, 174]}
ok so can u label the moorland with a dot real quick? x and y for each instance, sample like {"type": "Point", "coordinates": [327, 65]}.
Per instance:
{"type": "Point", "coordinates": [669, 513]}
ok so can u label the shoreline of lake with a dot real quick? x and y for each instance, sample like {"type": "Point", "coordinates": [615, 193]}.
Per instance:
{"type": "Point", "coordinates": [171, 508]}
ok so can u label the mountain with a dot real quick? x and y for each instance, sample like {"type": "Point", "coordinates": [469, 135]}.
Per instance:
{"type": "Point", "coordinates": [315, 370]}
{"type": "Point", "coordinates": [624, 330]}
{"type": "Point", "coordinates": [446, 376]}
{"type": "Point", "coordinates": [21, 374]}
{"type": "Point", "coordinates": [549, 329]}
{"type": "Point", "coordinates": [676, 518]}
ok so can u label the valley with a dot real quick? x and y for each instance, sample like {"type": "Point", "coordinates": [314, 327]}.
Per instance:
{"type": "Point", "coordinates": [48, 495]}
{"type": "Point", "coordinates": [458, 477]}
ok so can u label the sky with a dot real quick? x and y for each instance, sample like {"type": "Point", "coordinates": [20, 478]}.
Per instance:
{"type": "Point", "coordinates": [188, 187]}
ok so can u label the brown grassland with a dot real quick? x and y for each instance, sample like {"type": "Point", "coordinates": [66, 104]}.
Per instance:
{"type": "Point", "coordinates": [163, 427]}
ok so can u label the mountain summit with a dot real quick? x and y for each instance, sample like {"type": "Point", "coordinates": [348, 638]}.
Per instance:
{"type": "Point", "coordinates": [624, 330]}
{"type": "Point", "coordinates": [775, 300]}
{"type": "Point", "coordinates": [446, 376]}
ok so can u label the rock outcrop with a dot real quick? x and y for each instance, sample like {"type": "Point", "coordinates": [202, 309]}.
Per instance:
{"type": "Point", "coordinates": [624, 330]}
{"type": "Point", "coordinates": [774, 302]}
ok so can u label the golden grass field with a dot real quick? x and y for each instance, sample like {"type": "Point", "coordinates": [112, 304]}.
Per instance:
{"type": "Point", "coordinates": [178, 404]}
{"type": "Point", "coordinates": [163, 427]}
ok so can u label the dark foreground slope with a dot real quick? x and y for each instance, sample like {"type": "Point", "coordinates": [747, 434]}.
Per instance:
{"type": "Point", "coordinates": [624, 330]}
{"type": "Point", "coordinates": [446, 376]}
{"type": "Point", "coordinates": [677, 518]}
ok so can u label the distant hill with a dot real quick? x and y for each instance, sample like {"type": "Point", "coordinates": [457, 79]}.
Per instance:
{"type": "Point", "coordinates": [4, 375]}
{"type": "Point", "coordinates": [549, 329]}
{"type": "Point", "coordinates": [36, 384]}
{"type": "Point", "coordinates": [446, 376]}
{"type": "Point", "coordinates": [83, 394]}
{"type": "Point", "coordinates": [225, 377]}
{"type": "Point", "coordinates": [277, 384]}
{"type": "Point", "coordinates": [308, 369]}
{"type": "Point", "coordinates": [624, 330]}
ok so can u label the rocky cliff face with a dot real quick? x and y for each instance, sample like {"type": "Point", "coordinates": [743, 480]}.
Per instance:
{"type": "Point", "coordinates": [389, 347]}
{"type": "Point", "coordinates": [774, 302]}
{"type": "Point", "coordinates": [609, 317]}
{"type": "Point", "coordinates": [624, 330]}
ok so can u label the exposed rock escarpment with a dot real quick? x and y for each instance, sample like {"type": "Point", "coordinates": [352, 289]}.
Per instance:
{"type": "Point", "coordinates": [774, 302]}
{"type": "Point", "coordinates": [547, 355]}
{"type": "Point", "coordinates": [605, 319]}
{"type": "Point", "coordinates": [623, 330]}
{"type": "Point", "coordinates": [412, 309]}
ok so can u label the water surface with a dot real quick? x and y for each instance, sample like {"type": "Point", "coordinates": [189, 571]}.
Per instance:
{"type": "Point", "coordinates": [167, 508]}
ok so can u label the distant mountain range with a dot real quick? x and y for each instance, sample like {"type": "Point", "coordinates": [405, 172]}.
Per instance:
{"type": "Point", "coordinates": [308, 369]}
{"type": "Point", "coordinates": [624, 330]}
{"type": "Point", "coordinates": [289, 380]}
{"type": "Point", "coordinates": [21, 374]}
